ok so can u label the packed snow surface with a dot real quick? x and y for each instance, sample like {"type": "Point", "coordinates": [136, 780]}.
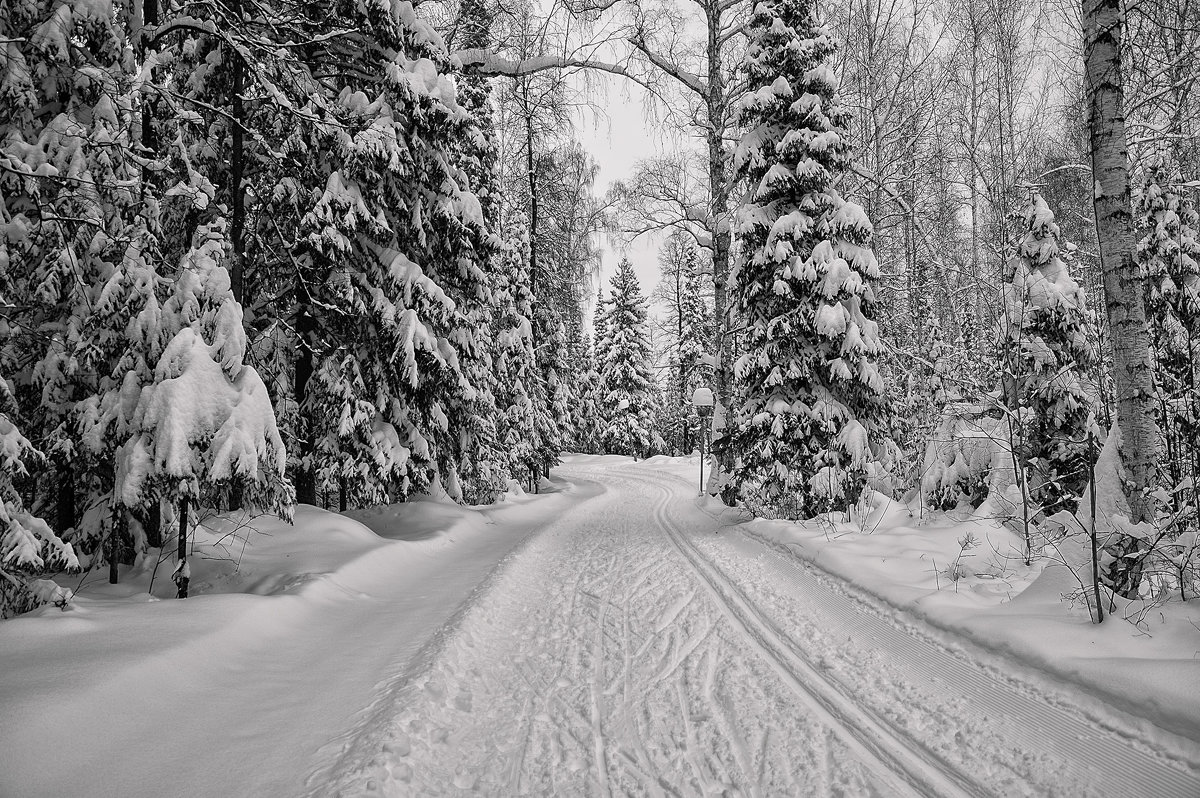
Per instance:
{"type": "Point", "coordinates": [613, 636]}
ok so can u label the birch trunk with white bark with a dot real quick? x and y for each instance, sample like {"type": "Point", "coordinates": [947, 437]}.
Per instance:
{"type": "Point", "coordinates": [1132, 364]}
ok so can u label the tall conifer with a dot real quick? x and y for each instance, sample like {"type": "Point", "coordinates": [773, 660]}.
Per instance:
{"type": "Point", "coordinates": [811, 404]}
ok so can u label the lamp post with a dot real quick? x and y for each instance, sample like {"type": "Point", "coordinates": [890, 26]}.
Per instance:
{"type": "Point", "coordinates": [702, 400]}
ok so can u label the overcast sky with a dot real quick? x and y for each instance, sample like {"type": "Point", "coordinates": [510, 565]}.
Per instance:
{"type": "Point", "coordinates": [617, 138]}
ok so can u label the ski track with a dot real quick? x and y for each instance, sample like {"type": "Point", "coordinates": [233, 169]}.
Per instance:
{"type": "Point", "coordinates": [627, 650]}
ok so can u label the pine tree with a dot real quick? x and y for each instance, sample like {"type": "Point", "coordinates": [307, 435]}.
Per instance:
{"type": "Point", "coordinates": [811, 404]}
{"type": "Point", "coordinates": [1046, 345]}
{"type": "Point", "coordinates": [630, 394]}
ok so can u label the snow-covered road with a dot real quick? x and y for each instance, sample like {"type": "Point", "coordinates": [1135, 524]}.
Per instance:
{"type": "Point", "coordinates": [629, 650]}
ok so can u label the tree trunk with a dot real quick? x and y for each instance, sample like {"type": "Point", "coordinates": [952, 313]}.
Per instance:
{"type": "Point", "coordinates": [306, 485]}
{"type": "Point", "coordinates": [182, 572]}
{"type": "Point", "coordinates": [64, 515]}
{"type": "Point", "coordinates": [119, 520]}
{"type": "Point", "coordinates": [153, 525]}
{"type": "Point", "coordinates": [237, 224]}
{"type": "Point", "coordinates": [718, 177]}
{"type": "Point", "coordinates": [1123, 284]}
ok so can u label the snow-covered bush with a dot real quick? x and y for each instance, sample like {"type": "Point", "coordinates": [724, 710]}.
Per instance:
{"type": "Point", "coordinates": [964, 458]}
{"type": "Point", "coordinates": [27, 544]}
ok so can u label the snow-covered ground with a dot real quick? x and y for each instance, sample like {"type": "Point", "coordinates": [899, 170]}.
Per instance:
{"type": "Point", "coordinates": [598, 639]}
{"type": "Point", "coordinates": [244, 688]}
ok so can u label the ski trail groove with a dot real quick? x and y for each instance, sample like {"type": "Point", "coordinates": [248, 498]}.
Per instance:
{"type": "Point", "coordinates": [873, 739]}
{"type": "Point", "coordinates": [1062, 726]}
{"type": "Point", "coordinates": [1049, 721]}
{"type": "Point", "coordinates": [623, 654]}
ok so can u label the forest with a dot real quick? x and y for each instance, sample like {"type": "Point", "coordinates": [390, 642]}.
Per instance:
{"type": "Point", "coordinates": [255, 253]}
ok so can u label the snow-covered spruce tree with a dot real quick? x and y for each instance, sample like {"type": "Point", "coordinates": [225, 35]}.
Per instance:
{"type": "Point", "coordinates": [686, 337]}
{"type": "Point", "coordinates": [587, 416]}
{"type": "Point", "coordinates": [695, 344]}
{"type": "Point", "coordinates": [696, 327]}
{"type": "Point", "coordinates": [27, 543]}
{"type": "Point", "coordinates": [203, 425]}
{"type": "Point", "coordinates": [126, 320]}
{"type": "Point", "coordinates": [482, 461]}
{"type": "Point", "coordinates": [1046, 350]}
{"type": "Point", "coordinates": [630, 395]}
{"type": "Point", "coordinates": [517, 377]}
{"type": "Point", "coordinates": [811, 405]}
{"type": "Point", "coordinates": [559, 394]}
{"type": "Point", "coordinates": [1169, 254]}
{"type": "Point", "coordinates": [385, 266]}
{"type": "Point", "coordinates": [674, 417]}
{"type": "Point", "coordinates": [592, 416]}
{"type": "Point", "coordinates": [82, 202]}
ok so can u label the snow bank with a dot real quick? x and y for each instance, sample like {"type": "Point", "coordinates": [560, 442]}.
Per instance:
{"type": "Point", "coordinates": [251, 681]}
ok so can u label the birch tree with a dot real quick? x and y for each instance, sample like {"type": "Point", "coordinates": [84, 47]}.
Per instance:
{"type": "Point", "coordinates": [1104, 28]}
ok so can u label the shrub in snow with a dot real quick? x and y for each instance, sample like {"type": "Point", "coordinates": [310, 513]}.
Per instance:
{"type": "Point", "coordinates": [27, 544]}
{"type": "Point", "coordinates": [963, 457]}
{"type": "Point", "coordinates": [1184, 556]}
{"type": "Point", "coordinates": [630, 395]}
{"type": "Point", "coordinates": [811, 407]}
{"type": "Point", "coordinates": [1046, 350]}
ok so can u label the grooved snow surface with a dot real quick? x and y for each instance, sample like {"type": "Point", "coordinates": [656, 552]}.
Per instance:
{"type": "Point", "coordinates": [622, 648]}
{"type": "Point", "coordinates": [629, 651]}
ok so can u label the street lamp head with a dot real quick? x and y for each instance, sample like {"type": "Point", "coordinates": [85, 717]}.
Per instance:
{"type": "Point", "coordinates": [702, 400]}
